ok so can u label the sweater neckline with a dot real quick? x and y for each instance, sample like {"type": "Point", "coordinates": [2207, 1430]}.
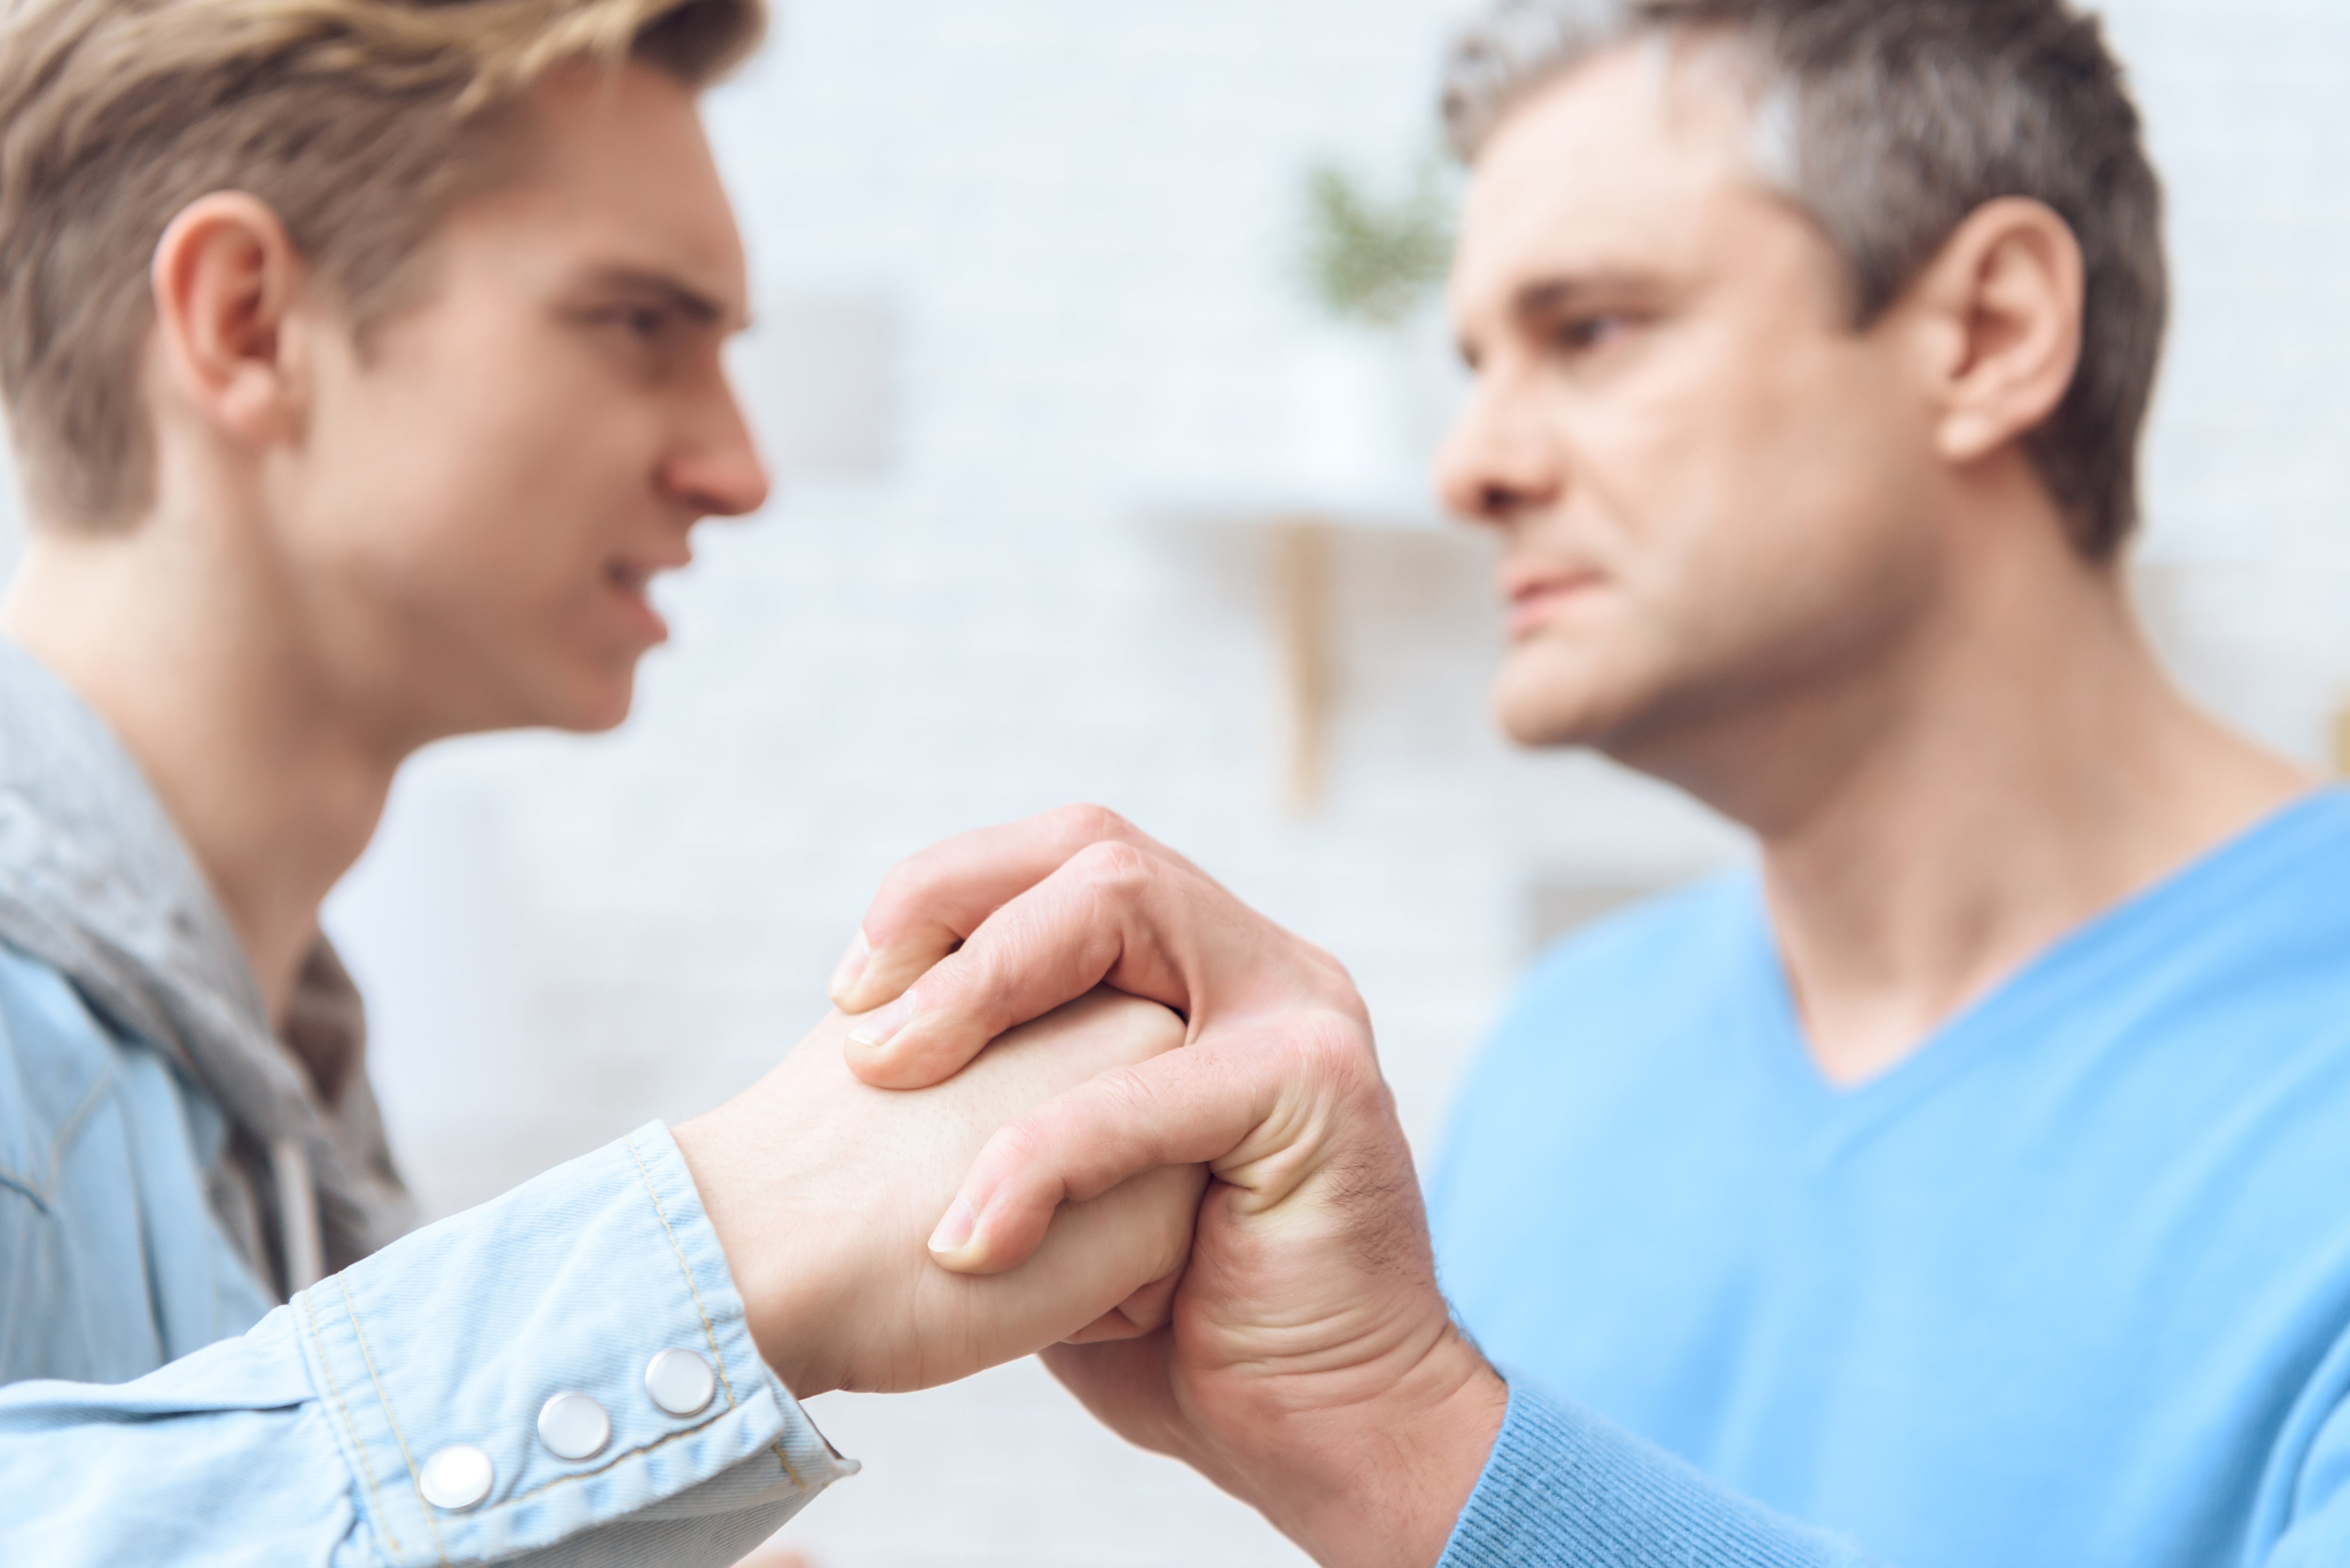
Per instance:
{"type": "Point", "coordinates": [2091, 956]}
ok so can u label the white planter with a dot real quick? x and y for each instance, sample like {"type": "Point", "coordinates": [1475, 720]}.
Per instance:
{"type": "Point", "coordinates": [1367, 410]}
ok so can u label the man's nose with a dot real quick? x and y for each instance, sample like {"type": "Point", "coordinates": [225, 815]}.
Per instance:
{"type": "Point", "coordinates": [719, 473]}
{"type": "Point", "coordinates": [1499, 462]}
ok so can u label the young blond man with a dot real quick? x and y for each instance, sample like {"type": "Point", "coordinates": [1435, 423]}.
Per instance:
{"type": "Point", "coordinates": [362, 358]}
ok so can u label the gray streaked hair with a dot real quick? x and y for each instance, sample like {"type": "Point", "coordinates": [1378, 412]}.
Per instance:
{"type": "Point", "coordinates": [1888, 122]}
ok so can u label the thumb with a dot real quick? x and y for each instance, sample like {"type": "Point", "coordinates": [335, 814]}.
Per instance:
{"type": "Point", "coordinates": [866, 979]}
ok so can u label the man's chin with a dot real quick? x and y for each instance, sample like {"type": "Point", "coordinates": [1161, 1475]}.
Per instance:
{"type": "Point", "coordinates": [1546, 709]}
{"type": "Point", "coordinates": [587, 704]}
{"type": "Point", "coordinates": [599, 724]}
{"type": "Point", "coordinates": [605, 714]}
{"type": "Point", "coordinates": [1541, 728]}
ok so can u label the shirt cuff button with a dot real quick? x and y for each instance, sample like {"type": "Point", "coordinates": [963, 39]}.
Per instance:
{"type": "Point", "coordinates": [574, 1427]}
{"type": "Point", "coordinates": [680, 1382]}
{"type": "Point", "coordinates": [457, 1479]}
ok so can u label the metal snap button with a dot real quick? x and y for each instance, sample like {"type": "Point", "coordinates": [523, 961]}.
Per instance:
{"type": "Point", "coordinates": [680, 1382]}
{"type": "Point", "coordinates": [574, 1427]}
{"type": "Point", "coordinates": [457, 1477]}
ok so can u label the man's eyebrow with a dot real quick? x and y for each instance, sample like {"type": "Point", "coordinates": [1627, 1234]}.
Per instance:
{"type": "Point", "coordinates": [680, 295]}
{"type": "Point", "coordinates": [1548, 297]}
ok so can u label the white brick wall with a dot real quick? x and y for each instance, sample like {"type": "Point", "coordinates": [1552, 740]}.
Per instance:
{"type": "Point", "coordinates": [2250, 469]}
{"type": "Point", "coordinates": [1082, 212]}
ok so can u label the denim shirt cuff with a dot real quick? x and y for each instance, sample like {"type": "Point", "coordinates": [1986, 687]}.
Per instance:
{"type": "Point", "coordinates": [442, 1352]}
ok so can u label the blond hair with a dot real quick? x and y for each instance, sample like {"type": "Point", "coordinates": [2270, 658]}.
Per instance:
{"type": "Point", "coordinates": [359, 122]}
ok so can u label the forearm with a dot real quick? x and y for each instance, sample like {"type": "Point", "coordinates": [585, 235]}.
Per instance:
{"type": "Point", "coordinates": [314, 1438]}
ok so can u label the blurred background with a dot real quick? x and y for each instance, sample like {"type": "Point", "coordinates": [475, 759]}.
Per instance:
{"type": "Point", "coordinates": [1098, 420]}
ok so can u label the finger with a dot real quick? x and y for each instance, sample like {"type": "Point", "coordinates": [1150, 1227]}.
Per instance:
{"type": "Point", "coordinates": [1093, 919]}
{"type": "Point", "coordinates": [1226, 1104]}
{"type": "Point", "coordinates": [1104, 1257]}
{"type": "Point", "coordinates": [933, 900]}
{"type": "Point", "coordinates": [1107, 1329]}
{"type": "Point", "coordinates": [1125, 1385]}
{"type": "Point", "coordinates": [1113, 914]}
{"type": "Point", "coordinates": [1152, 1306]}
{"type": "Point", "coordinates": [1147, 1311]}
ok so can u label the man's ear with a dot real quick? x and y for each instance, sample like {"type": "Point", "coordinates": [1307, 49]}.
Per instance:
{"type": "Point", "coordinates": [2001, 305]}
{"type": "Point", "coordinates": [226, 277]}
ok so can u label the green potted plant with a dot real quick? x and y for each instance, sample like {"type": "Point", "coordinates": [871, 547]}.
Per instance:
{"type": "Point", "coordinates": [1368, 394]}
{"type": "Point", "coordinates": [1374, 261]}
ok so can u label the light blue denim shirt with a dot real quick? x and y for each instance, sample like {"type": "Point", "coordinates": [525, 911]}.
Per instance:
{"type": "Point", "coordinates": [309, 1436]}
{"type": "Point", "coordinates": [171, 1172]}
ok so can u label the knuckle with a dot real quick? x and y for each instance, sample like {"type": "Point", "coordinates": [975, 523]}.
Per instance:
{"type": "Point", "coordinates": [1111, 867]}
{"type": "Point", "coordinates": [1126, 1095]}
{"type": "Point", "coordinates": [1334, 1052]}
{"type": "Point", "coordinates": [1326, 976]}
{"type": "Point", "coordinates": [1333, 968]}
{"type": "Point", "coordinates": [990, 980]}
{"type": "Point", "coordinates": [1022, 1146]}
{"type": "Point", "coordinates": [1090, 824]}
{"type": "Point", "coordinates": [981, 982]}
{"type": "Point", "coordinates": [903, 887]}
{"type": "Point", "coordinates": [1112, 1127]}
{"type": "Point", "coordinates": [1018, 1155]}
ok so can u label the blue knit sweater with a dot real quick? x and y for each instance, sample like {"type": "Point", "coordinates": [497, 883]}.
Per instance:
{"type": "Point", "coordinates": [2071, 1286]}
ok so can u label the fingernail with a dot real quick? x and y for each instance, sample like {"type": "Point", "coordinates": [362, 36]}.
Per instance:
{"type": "Point", "coordinates": [954, 1231]}
{"type": "Point", "coordinates": [882, 1027]}
{"type": "Point", "coordinates": [852, 965]}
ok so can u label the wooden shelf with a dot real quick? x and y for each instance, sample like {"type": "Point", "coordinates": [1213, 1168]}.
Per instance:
{"type": "Point", "coordinates": [1301, 538]}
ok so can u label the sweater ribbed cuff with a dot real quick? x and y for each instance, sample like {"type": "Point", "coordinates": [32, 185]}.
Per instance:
{"type": "Point", "coordinates": [1566, 1490]}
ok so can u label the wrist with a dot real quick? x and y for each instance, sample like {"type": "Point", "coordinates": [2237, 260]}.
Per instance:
{"type": "Point", "coordinates": [754, 1239]}
{"type": "Point", "coordinates": [1381, 1484]}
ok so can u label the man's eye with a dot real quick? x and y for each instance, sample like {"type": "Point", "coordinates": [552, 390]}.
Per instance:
{"type": "Point", "coordinates": [642, 321]}
{"type": "Point", "coordinates": [1587, 332]}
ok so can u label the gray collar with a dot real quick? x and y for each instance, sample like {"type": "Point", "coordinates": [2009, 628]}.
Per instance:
{"type": "Point", "coordinates": [95, 882]}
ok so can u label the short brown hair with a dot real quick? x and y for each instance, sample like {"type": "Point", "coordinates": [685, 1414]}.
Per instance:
{"type": "Point", "coordinates": [358, 121]}
{"type": "Point", "coordinates": [1889, 122]}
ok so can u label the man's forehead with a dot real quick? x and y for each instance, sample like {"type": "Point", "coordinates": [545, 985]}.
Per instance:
{"type": "Point", "coordinates": [1611, 167]}
{"type": "Point", "coordinates": [617, 165]}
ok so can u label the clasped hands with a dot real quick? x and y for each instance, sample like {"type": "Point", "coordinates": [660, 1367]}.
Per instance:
{"type": "Point", "coordinates": [1195, 1197]}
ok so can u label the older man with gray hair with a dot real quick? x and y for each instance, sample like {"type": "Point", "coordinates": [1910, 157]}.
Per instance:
{"type": "Point", "coordinates": [1961, 1187]}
